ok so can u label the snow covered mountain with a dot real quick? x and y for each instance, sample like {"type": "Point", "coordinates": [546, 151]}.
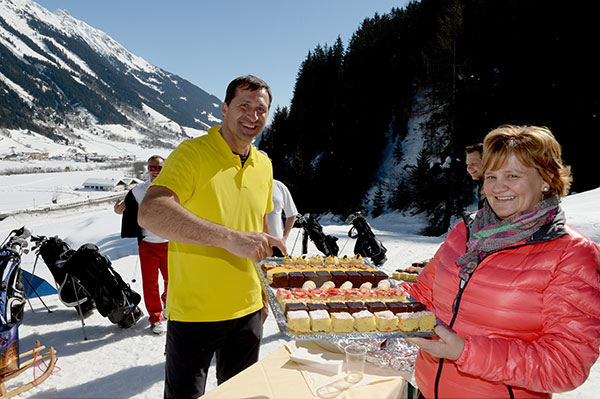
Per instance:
{"type": "Point", "coordinates": [71, 83]}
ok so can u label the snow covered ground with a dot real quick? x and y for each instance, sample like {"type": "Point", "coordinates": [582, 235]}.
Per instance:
{"type": "Point", "coordinates": [117, 363]}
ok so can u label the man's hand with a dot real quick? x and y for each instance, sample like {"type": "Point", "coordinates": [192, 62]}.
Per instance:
{"type": "Point", "coordinates": [256, 246]}
{"type": "Point", "coordinates": [448, 346]}
{"type": "Point", "coordinates": [119, 207]}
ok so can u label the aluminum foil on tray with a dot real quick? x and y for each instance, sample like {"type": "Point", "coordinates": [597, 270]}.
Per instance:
{"type": "Point", "coordinates": [391, 353]}
{"type": "Point", "coordinates": [280, 318]}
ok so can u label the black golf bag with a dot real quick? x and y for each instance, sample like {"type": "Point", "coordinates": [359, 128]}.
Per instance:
{"type": "Point", "coordinates": [55, 252]}
{"type": "Point", "coordinates": [367, 245]}
{"type": "Point", "coordinates": [12, 290]}
{"type": "Point", "coordinates": [114, 298]}
{"type": "Point", "coordinates": [312, 228]}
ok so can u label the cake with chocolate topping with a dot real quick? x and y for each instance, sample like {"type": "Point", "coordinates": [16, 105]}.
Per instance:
{"type": "Point", "coordinates": [296, 279]}
{"type": "Point", "coordinates": [334, 307]}
{"type": "Point", "coordinates": [280, 280]}
{"type": "Point", "coordinates": [338, 277]}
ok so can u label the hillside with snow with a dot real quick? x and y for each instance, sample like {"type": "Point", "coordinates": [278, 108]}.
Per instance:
{"type": "Point", "coordinates": [69, 89]}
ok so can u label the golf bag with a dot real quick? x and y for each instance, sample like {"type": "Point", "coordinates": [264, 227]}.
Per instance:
{"type": "Point", "coordinates": [312, 228]}
{"type": "Point", "coordinates": [55, 252]}
{"type": "Point", "coordinates": [114, 298]}
{"type": "Point", "coordinates": [12, 300]}
{"type": "Point", "coordinates": [367, 245]}
{"type": "Point", "coordinates": [12, 290]}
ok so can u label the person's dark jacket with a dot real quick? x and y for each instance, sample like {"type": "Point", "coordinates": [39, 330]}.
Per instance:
{"type": "Point", "coordinates": [129, 224]}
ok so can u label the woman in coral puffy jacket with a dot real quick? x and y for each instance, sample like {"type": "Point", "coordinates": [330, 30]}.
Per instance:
{"type": "Point", "coordinates": [517, 288]}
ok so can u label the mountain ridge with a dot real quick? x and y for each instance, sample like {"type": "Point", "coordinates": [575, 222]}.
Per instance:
{"type": "Point", "coordinates": [60, 75]}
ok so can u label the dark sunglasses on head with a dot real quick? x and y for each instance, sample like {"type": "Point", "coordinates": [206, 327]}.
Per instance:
{"type": "Point", "coordinates": [154, 168]}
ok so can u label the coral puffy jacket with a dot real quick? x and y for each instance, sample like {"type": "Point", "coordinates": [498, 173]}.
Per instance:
{"type": "Point", "coordinates": [529, 315]}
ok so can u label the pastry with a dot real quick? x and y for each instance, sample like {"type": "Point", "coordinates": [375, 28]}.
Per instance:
{"type": "Point", "coordinates": [316, 306]}
{"type": "Point", "coordinates": [333, 307]}
{"type": "Point", "coordinates": [284, 296]}
{"type": "Point", "coordinates": [342, 322]}
{"type": "Point", "coordinates": [426, 320]}
{"type": "Point", "coordinates": [366, 276]}
{"type": "Point", "coordinates": [365, 287]}
{"type": "Point", "coordinates": [317, 296]}
{"type": "Point", "coordinates": [375, 306]}
{"type": "Point", "coordinates": [345, 261]}
{"type": "Point", "coordinates": [289, 260]}
{"type": "Point", "coordinates": [408, 322]}
{"type": "Point", "coordinates": [320, 320]}
{"type": "Point", "coordinates": [298, 321]}
{"type": "Point", "coordinates": [386, 321]}
{"type": "Point", "coordinates": [332, 260]}
{"type": "Point", "coordinates": [310, 275]}
{"type": "Point", "coordinates": [414, 307]}
{"type": "Point", "coordinates": [316, 260]}
{"type": "Point", "coordinates": [378, 276]}
{"type": "Point", "coordinates": [384, 284]}
{"type": "Point", "coordinates": [354, 307]}
{"type": "Point", "coordinates": [292, 306]}
{"type": "Point", "coordinates": [280, 280]}
{"type": "Point", "coordinates": [296, 279]}
{"type": "Point", "coordinates": [364, 321]}
{"type": "Point", "coordinates": [354, 278]}
{"type": "Point", "coordinates": [335, 295]}
{"type": "Point", "coordinates": [303, 260]}
{"type": "Point", "coordinates": [358, 260]}
{"type": "Point", "coordinates": [397, 307]}
{"type": "Point", "coordinates": [338, 277]}
{"type": "Point", "coordinates": [322, 276]}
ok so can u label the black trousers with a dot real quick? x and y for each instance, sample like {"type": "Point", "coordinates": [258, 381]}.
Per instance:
{"type": "Point", "coordinates": [190, 348]}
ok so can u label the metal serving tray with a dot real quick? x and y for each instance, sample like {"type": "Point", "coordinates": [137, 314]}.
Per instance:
{"type": "Point", "coordinates": [270, 293]}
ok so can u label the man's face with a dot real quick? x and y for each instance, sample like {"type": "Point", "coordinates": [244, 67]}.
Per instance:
{"type": "Point", "coordinates": [474, 164]}
{"type": "Point", "coordinates": [245, 117]}
{"type": "Point", "coordinates": [154, 168]}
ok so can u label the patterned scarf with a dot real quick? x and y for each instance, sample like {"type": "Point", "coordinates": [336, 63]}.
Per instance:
{"type": "Point", "coordinates": [488, 232]}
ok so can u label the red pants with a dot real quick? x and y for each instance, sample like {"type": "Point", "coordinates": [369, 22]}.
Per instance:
{"type": "Point", "coordinates": [153, 257]}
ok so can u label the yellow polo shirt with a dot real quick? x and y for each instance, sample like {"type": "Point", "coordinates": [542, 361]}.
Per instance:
{"type": "Point", "coordinates": [210, 283]}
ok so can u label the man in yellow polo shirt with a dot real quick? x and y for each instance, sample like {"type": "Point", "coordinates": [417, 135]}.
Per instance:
{"type": "Point", "coordinates": [210, 201]}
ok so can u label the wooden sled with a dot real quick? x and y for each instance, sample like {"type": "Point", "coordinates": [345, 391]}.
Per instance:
{"type": "Point", "coordinates": [26, 360]}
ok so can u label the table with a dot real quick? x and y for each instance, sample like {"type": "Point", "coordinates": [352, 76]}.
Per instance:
{"type": "Point", "coordinates": [277, 377]}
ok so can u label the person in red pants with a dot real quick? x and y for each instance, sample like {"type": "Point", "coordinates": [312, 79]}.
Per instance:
{"type": "Point", "coordinates": [153, 250]}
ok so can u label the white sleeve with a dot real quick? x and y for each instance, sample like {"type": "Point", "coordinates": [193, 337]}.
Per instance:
{"type": "Point", "coordinates": [289, 208]}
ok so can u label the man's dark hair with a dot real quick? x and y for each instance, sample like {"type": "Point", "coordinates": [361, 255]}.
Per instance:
{"type": "Point", "coordinates": [153, 157]}
{"type": "Point", "coordinates": [247, 82]}
{"type": "Point", "coordinates": [475, 147]}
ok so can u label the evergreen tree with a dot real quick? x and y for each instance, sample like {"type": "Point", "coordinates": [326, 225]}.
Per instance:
{"type": "Point", "coordinates": [378, 202]}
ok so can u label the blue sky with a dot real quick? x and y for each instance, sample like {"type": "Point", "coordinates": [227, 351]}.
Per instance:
{"type": "Point", "coordinates": [211, 42]}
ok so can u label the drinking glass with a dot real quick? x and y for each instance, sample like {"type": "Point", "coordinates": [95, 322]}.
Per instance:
{"type": "Point", "coordinates": [355, 362]}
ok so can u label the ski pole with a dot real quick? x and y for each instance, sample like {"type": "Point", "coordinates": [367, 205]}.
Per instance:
{"type": "Point", "coordinates": [295, 241]}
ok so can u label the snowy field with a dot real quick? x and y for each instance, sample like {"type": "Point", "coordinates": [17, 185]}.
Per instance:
{"type": "Point", "coordinates": [117, 363]}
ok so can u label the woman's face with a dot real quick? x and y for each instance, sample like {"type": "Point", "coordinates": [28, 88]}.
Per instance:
{"type": "Point", "coordinates": [513, 187]}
